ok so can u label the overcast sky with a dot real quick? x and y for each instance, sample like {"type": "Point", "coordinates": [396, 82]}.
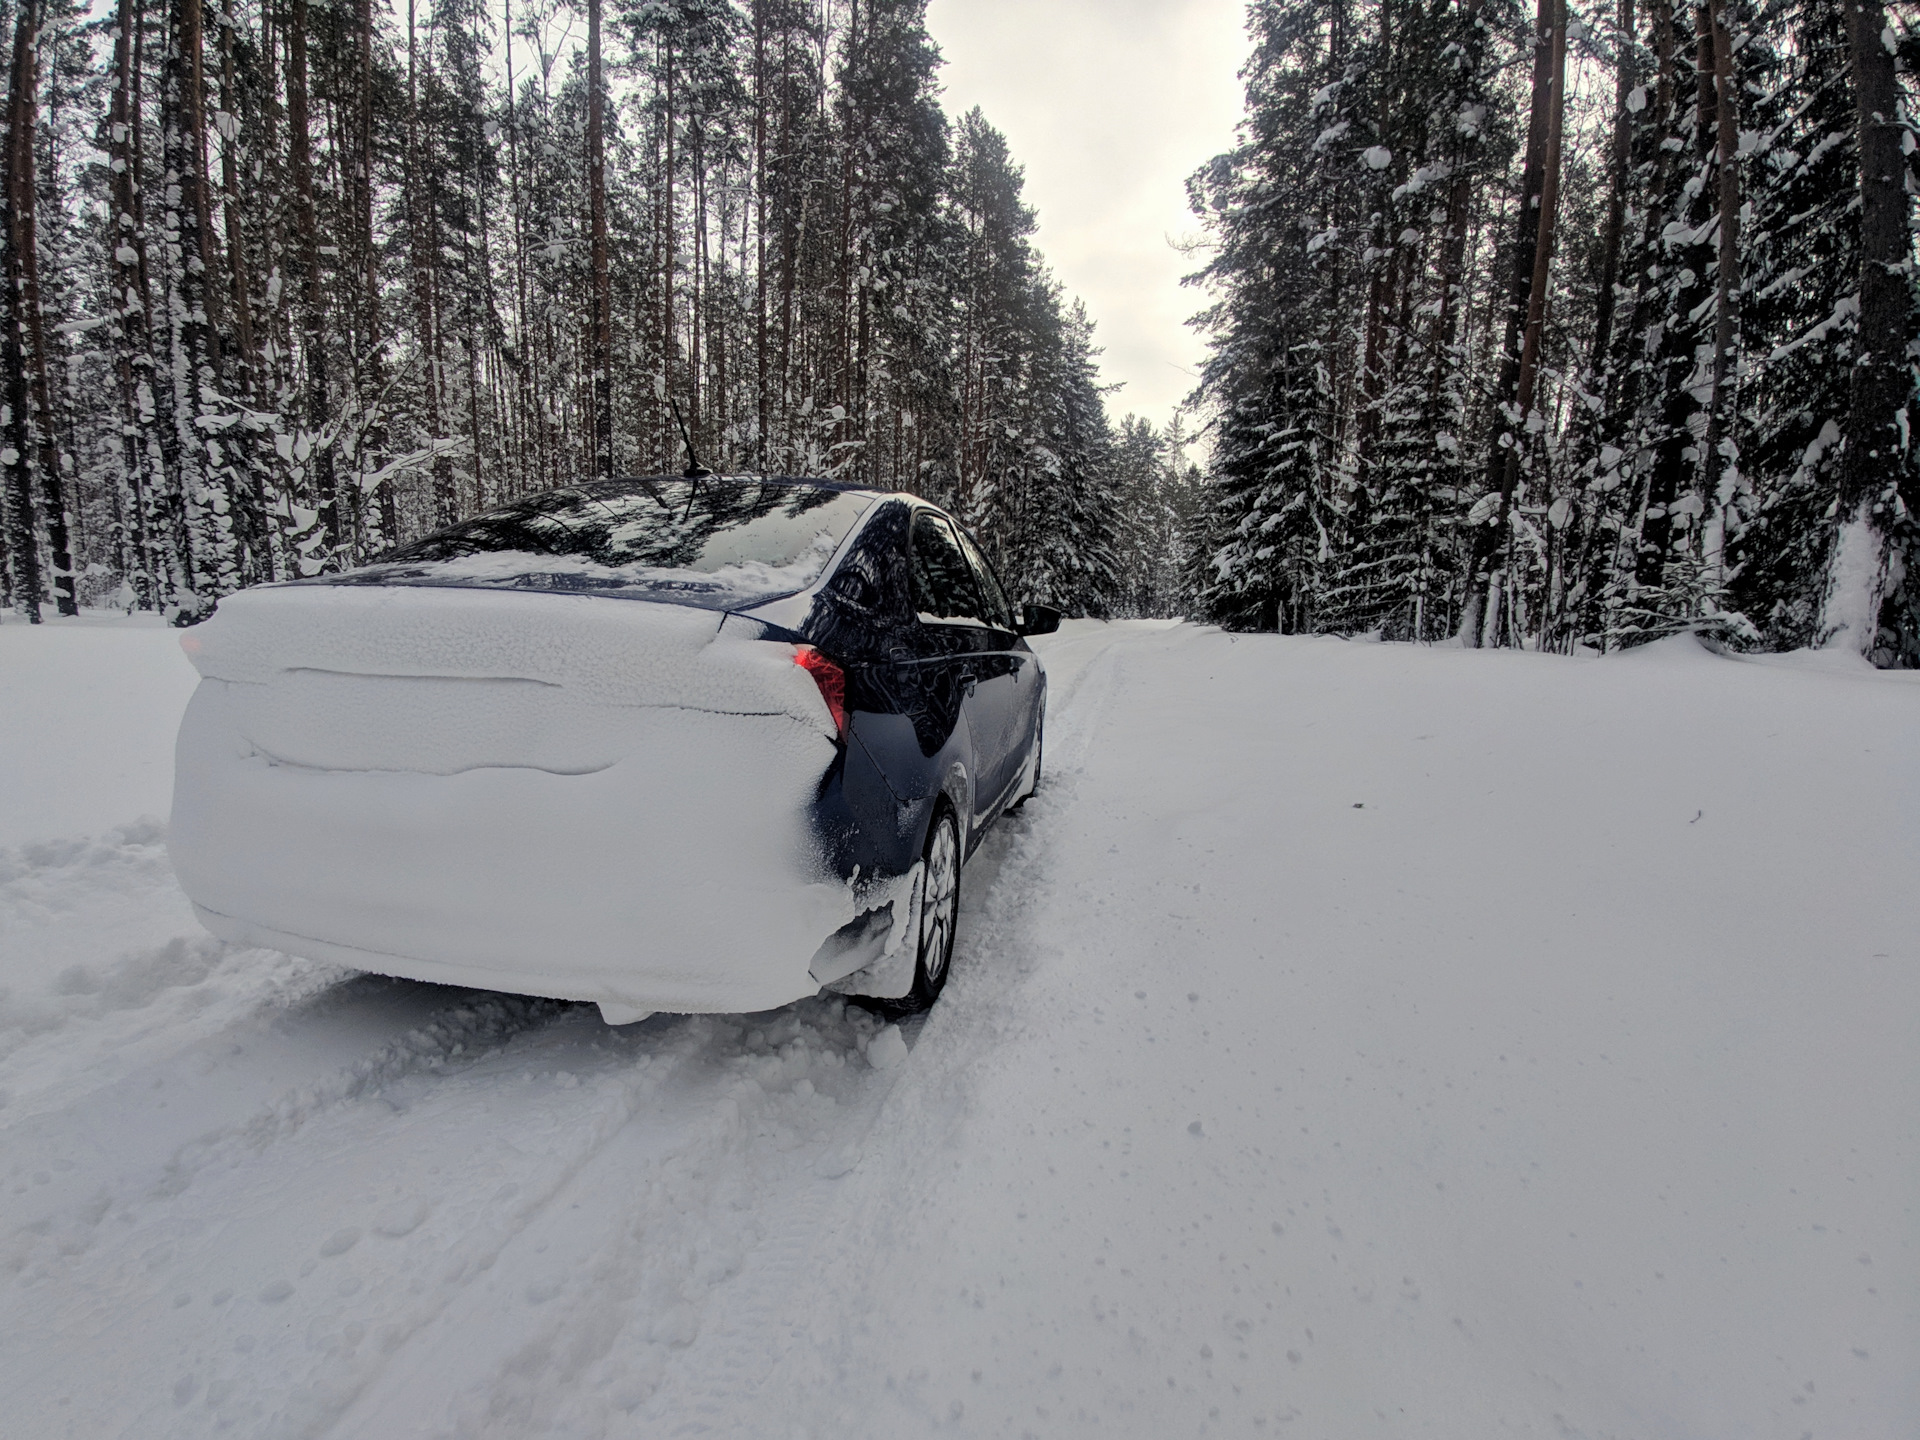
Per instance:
{"type": "Point", "coordinates": [1109, 105]}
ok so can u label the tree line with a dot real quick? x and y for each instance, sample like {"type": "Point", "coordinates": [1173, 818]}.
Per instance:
{"type": "Point", "coordinates": [1567, 327]}
{"type": "Point", "coordinates": [290, 281]}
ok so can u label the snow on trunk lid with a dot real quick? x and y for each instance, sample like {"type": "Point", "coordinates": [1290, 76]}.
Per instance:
{"type": "Point", "coordinates": [441, 681]}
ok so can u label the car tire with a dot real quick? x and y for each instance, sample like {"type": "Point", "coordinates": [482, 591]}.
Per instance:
{"type": "Point", "coordinates": [939, 914]}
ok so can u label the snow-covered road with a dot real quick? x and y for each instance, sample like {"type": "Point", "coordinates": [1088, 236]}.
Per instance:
{"type": "Point", "coordinates": [1351, 1040]}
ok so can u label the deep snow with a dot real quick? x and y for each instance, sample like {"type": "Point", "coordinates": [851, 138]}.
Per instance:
{"type": "Point", "coordinates": [1349, 1040]}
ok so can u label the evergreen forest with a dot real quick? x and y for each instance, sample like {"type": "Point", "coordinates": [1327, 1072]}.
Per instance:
{"type": "Point", "coordinates": [1557, 326]}
{"type": "Point", "coordinates": [1567, 326]}
{"type": "Point", "coordinates": [291, 281]}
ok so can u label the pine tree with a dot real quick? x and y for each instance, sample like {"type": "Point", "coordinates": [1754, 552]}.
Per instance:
{"type": "Point", "coordinates": [1877, 460]}
{"type": "Point", "coordinates": [20, 445]}
{"type": "Point", "coordinates": [1661, 386]}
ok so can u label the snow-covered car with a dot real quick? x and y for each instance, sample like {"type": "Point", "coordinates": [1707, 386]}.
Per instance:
{"type": "Point", "coordinates": [684, 744]}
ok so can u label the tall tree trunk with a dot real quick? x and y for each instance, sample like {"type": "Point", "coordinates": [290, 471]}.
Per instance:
{"type": "Point", "coordinates": [1683, 392]}
{"type": "Point", "coordinates": [696, 272]}
{"type": "Point", "coordinates": [188, 345]}
{"type": "Point", "coordinates": [19, 445]}
{"type": "Point", "coordinates": [1532, 250]}
{"type": "Point", "coordinates": [533, 428]}
{"type": "Point", "coordinates": [168, 500]}
{"type": "Point", "coordinates": [601, 340]}
{"type": "Point", "coordinates": [1384, 247]}
{"type": "Point", "coordinates": [247, 487]}
{"type": "Point", "coordinates": [1619, 161]}
{"type": "Point", "coordinates": [843, 314]}
{"type": "Point", "coordinates": [1727, 269]}
{"type": "Point", "coordinates": [762, 399]}
{"type": "Point", "coordinates": [48, 458]}
{"type": "Point", "coordinates": [372, 430]}
{"type": "Point", "coordinates": [232, 209]}
{"type": "Point", "coordinates": [1453, 250]}
{"type": "Point", "coordinates": [793, 233]}
{"type": "Point", "coordinates": [132, 358]}
{"type": "Point", "coordinates": [317, 463]}
{"type": "Point", "coordinates": [1583, 546]}
{"type": "Point", "coordinates": [1877, 455]}
{"type": "Point", "coordinates": [422, 235]}
{"type": "Point", "coordinates": [668, 342]}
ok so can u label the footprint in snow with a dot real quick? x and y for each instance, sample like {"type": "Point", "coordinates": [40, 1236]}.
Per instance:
{"type": "Point", "coordinates": [402, 1219]}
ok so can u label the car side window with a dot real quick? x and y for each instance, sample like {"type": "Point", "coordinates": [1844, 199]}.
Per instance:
{"type": "Point", "coordinates": [998, 612]}
{"type": "Point", "coordinates": [855, 583]}
{"type": "Point", "coordinates": [943, 583]}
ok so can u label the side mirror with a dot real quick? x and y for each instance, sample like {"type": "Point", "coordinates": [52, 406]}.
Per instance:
{"type": "Point", "coordinates": [1038, 619]}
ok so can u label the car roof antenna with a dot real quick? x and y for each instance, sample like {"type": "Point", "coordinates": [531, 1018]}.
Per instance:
{"type": "Point", "coordinates": [695, 470]}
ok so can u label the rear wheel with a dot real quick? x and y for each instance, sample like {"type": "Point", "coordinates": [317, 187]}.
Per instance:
{"type": "Point", "coordinates": [939, 908]}
{"type": "Point", "coordinates": [939, 914]}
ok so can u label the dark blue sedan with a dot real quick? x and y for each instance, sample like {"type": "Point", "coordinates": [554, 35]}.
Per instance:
{"type": "Point", "coordinates": [687, 744]}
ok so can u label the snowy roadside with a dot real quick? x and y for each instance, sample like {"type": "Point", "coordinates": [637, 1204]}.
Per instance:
{"type": "Point", "coordinates": [1349, 1040]}
{"type": "Point", "coordinates": [1401, 1040]}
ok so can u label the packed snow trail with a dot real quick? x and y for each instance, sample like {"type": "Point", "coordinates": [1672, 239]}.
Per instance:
{"type": "Point", "coordinates": [1349, 1040]}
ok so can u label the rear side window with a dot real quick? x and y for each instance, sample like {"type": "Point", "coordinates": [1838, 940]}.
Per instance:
{"type": "Point", "coordinates": [717, 543]}
{"type": "Point", "coordinates": [943, 583]}
{"type": "Point", "coordinates": [998, 612]}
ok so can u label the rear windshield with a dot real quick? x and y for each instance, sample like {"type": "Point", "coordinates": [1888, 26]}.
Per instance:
{"type": "Point", "coordinates": [716, 543]}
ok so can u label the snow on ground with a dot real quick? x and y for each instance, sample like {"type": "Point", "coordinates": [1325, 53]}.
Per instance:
{"type": "Point", "coordinates": [1350, 1040]}
{"type": "Point", "coordinates": [88, 710]}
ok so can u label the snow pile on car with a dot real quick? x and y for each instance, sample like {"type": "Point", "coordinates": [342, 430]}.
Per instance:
{"type": "Point", "coordinates": [602, 653]}
{"type": "Point", "coordinates": [462, 785]}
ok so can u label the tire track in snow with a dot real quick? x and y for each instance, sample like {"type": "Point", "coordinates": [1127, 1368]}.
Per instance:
{"type": "Point", "coordinates": [720, 1385]}
{"type": "Point", "coordinates": [104, 970]}
{"type": "Point", "coordinates": [274, 1284]}
{"type": "Point", "coordinates": [310, 1082]}
{"type": "Point", "coordinates": [225, 1102]}
{"type": "Point", "coordinates": [483, 1216]}
{"type": "Point", "coordinates": [920, 1133]}
{"type": "Point", "coordinates": [778, 1332]}
{"type": "Point", "coordinates": [705, 1190]}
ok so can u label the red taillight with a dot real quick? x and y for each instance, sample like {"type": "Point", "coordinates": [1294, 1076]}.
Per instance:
{"type": "Point", "coordinates": [831, 679]}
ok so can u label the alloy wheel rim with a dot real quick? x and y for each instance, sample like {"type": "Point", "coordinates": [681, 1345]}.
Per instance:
{"type": "Point", "coordinates": [936, 926]}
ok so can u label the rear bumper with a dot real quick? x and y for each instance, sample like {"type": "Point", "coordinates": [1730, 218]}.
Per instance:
{"type": "Point", "coordinates": [686, 877]}
{"type": "Point", "coordinates": [646, 992]}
